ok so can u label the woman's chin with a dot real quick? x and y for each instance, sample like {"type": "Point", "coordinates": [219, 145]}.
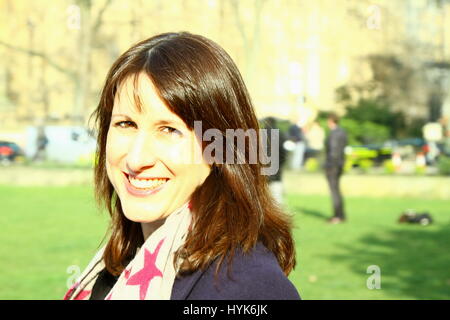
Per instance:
{"type": "Point", "coordinates": [146, 217]}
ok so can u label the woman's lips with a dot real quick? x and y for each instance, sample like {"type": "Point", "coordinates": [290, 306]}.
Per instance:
{"type": "Point", "coordinates": [141, 192]}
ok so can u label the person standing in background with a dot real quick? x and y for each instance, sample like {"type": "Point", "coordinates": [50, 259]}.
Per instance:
{"type": "Point", "coordinates": [296, 135]}
{"type": "Point", "coordinates": [41, 144]}
{"type": "Point", "coordinates": [334, 163]}
{"type": "Point", "coordinates": [275, 180]}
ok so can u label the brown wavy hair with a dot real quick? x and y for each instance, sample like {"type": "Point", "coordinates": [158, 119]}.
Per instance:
{"type": "Point", "coordinates": [233, 208]}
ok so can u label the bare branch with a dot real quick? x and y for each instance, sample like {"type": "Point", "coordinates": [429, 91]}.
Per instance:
{"type": "Point", "coordinates": [237, 18]}
{"type": "Point", "coordinates": [256, 26]}
{"type": "Point", "coordinates": [43, 56]}
{"type": "Point", "coordinates": [99, 19]}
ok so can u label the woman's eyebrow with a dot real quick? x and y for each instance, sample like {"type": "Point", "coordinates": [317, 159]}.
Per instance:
{"type": "Point", "coordinates": [167, 122]}
{"type": "Point", "coordinates": [120, 115]}
{"type": "Point", "coordinates": [157, 122]}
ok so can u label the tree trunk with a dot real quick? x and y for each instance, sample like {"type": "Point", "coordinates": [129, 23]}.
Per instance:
{"type": "Point", "coordinates": [82, 82]}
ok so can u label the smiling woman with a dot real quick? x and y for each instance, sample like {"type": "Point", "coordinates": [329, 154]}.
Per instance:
{"type": "Point", "coordinates": [144, 156]}
{"type": "Point", "coordinates": [182, 228]}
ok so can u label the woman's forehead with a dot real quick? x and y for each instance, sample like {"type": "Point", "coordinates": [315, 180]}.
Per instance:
{"type": "Point", "coordinates": [129, 92]}
{"type": "Point", "coordinates": [138, 95]}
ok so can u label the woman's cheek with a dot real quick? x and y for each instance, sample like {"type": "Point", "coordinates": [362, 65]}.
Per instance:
{"type": "Point", "coordinates": [117, 145]}
{"type": "Point", "coordinates": [173, 151]}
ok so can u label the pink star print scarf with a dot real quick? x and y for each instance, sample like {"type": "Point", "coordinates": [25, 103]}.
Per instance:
{"type": "Point", "coordinates": [150, 275]}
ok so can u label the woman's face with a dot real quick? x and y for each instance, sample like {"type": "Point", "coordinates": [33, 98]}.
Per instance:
{"type": "Point", "coordinates": [152, 159]}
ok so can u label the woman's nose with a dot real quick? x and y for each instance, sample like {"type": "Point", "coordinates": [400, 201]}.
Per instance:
{"type": "Point", "coordinates": [141, 153]}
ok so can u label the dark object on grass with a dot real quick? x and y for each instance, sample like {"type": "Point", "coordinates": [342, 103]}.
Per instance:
{"type": "Point", "coordinates": [410, 216]}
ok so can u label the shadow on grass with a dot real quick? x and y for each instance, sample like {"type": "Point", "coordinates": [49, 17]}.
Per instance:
{"type": "Point", "coordinates": [414, 261]}
{"type": "Point", "coordinates": [311, 212]}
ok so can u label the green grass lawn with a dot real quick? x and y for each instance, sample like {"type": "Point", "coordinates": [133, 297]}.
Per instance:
{"type": "Point", "coordinates": [45, 230]}
{"type": "Point", "coordinates": [332, 260]}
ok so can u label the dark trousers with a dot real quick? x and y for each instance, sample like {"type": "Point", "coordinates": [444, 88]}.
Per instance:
{"type": "Point", "coordinates": [333, 175]}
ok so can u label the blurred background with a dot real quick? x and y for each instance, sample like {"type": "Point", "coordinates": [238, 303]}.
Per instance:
{"type": "Point", "coordinates": [383, 66]}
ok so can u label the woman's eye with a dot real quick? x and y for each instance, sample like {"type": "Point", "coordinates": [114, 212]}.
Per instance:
{"type": "Point", "coordinates": [171, 130]}
{"type": "Point", "coordinates": [124, 124]}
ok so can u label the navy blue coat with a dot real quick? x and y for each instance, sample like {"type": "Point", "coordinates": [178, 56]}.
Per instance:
{"type": "Point", "coordinates": [335, 147]}
{"type": "Point", "coordinates": [255, 276]}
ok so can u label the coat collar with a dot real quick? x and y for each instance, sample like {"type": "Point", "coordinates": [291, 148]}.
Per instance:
{"type": "Point", "coordinates": [183, 285]}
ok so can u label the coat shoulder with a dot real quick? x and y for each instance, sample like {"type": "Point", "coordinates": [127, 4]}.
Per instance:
{"type": "Point", "coordinates": [255, 275]}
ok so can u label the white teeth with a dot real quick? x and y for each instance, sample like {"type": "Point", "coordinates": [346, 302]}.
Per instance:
{"type": "Point", "coordinates": [146, 184]}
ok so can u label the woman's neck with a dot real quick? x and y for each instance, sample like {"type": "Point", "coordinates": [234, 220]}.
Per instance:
{"type": "Point", "coordinates": [149, 227]}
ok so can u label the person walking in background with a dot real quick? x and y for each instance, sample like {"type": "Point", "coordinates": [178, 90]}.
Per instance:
{"type": "Point", "coordinates": [334, 163]}
{"type": "Point", "coordinates": [41, 144]}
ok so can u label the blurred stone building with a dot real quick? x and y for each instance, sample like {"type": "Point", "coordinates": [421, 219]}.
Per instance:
{"type": "Point", "coordinates": [292, 54]}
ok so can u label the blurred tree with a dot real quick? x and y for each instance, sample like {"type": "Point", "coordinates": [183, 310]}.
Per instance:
{"type": "Point", "coordinates": [364, 103]}
{"type": "Point", "coordinates": [89, 34]}
{"type": "Point", "coordinates": [285, 49]}
{"type": "Point", "coordinates": [250, 40]}
{"type": "Point", "coordinates": [79, 74]}
{"type": "Point", "coordinates": [359, 131]}
{"type": "Point", "coordinates": [437, 80]}
{"type": "Point", "coordinates": [394, 79]}
{"type": "Point", "coordinates": [387, 98]}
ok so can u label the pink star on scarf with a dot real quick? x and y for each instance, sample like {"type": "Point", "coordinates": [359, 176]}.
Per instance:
{"type": "Point", "coordinates": [83, 294]}
{"type": "Point", "coordinates": [80, 296]}
{"type": "Point", "coordinates": [149, 271]}
{"type": "Point", "coordinates": [71, 290]}
{"type": "Point", "coordinates": [127, 273]}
